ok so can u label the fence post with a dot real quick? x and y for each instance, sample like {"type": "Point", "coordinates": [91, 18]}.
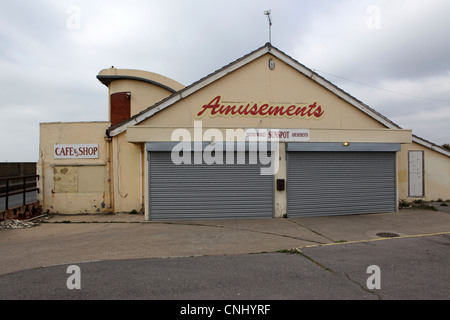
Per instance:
{"type": "Point", "coordinates": [7, 194]}
{"type": "Point", "coordinates": [24, 196]}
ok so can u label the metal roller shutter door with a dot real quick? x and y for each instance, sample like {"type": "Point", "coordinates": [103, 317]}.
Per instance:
{"type": "Point", "coordinates": [204, 191]}
{"type": "Point", "coordinates": [341, 183]}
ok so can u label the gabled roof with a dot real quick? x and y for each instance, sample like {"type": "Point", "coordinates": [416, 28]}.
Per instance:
{"type": "Point", "coordinates": [430, 145]}
{"type": "Point", "coordinates": [267, 48]}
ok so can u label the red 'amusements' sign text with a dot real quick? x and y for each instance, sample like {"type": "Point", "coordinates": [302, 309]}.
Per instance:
{"type": "Point", "coordinates": [302, 111]}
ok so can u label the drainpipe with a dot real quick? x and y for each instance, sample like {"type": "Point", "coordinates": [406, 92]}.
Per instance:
{"type": "Point", "coordinates": [108, 140]}
{"type": "Point", "coordinates": [140, 180]}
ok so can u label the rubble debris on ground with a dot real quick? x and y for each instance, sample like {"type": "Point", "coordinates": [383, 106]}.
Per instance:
{"type": "Point", "coordinates": [16, 224]}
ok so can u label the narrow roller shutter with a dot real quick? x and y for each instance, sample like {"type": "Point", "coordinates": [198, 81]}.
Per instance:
{"type": "Point", "coordinates": [201, 191]}
{"type": "Point", "coordinates": [340, 183]}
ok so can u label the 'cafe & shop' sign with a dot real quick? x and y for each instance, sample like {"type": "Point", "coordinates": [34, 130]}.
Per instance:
{"type": "Point", "coordinates": [75, 151]}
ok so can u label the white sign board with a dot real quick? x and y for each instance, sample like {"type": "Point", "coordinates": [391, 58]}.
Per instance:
{"type": "Point", "coordinates": [75, 151]}
{"type": "Point", "coordinates": [415, 174]}
{"type": "Point", "coordinates": [282, 135]}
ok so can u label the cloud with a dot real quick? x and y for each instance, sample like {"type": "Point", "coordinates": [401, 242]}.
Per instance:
{"type": "Point", "coordinates": [401, 68]}
{"type": "Point", "coordinates": [406, 44]}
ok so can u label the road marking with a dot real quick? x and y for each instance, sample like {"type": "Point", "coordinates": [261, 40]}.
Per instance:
{"type": "Point", "coordinates": [68, 263]}
{"type": "Point", "coordinates": [371, 240]}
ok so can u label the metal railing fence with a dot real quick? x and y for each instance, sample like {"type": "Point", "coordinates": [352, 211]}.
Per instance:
{"type": "Point", "coordinates": [13, 186]}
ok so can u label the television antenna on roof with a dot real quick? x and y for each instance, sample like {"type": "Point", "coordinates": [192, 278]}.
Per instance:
{"type": "Point", "coordinates": [267, 13]}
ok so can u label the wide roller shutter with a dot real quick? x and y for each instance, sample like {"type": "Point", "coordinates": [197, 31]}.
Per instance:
{"type": "Point", "coordinates": [201, 191]}
{"type": "Point", "coordinates": [340, 183]}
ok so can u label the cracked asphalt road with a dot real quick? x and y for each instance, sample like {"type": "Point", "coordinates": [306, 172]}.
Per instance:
{"type": "Point", "coordinates": [410, 268]}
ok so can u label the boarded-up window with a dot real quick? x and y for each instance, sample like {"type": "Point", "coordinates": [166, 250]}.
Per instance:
{"type": "Point", "coordinates": [65, 179]}
{"type": "Point", "coordinates": [79, 179]}
{"type": "Point", "coordinates": [416, 175]}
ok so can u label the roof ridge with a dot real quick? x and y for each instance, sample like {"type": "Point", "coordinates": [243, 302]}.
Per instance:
{"type": "Point", "coordinates": [430, 145]}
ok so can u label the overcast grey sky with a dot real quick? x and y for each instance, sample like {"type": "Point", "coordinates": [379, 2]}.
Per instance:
{"type": "Point", "coordinates": [393, 55]}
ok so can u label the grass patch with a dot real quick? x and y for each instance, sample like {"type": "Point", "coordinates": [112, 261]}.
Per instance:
{"type": "Point", "coordinates": [416, 204]}
{"type": "Point", "coordinates": [428, 207]}
{"type": "Point", "coordinates": [289, 251]}
{"type": "Point", "coordinates": [402, 204]}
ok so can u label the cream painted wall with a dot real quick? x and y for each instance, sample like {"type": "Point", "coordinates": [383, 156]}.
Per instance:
{"type": "Point", "coordinates": [128, 168]}
{"type": "Point", "coordinates": [437, 173]}
{"type": "Point", "coordinates": [141, 134]}
{"type": "Point", "coordinates": [143, 94]}
{"type": "Point", "coordinates": [255, 82]}
{"type": "Point", "coordinates": [280, 197]}
{"type": "Point", "coordinates": [73, 185]}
